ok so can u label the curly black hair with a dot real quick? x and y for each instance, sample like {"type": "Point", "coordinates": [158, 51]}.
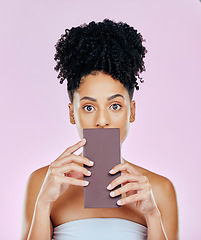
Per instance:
{"type": "Point", "coordinates": [113, 48]}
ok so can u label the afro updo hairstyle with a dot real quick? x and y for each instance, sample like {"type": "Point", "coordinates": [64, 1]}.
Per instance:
{"type": "Point", "coordinates": [113, 48]}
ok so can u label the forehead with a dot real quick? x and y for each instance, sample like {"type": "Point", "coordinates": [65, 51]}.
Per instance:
{"type": "Point", "coordinates": [100, 85]}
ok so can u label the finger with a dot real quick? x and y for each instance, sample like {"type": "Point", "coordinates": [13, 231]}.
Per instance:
{"type": "Point", "coordinates": [66, 168]}
{"type": "Point", "coordinates": [133, 186]}
{"type": "Point", "coordinates": [130, 199]}
{"type": "Point", "coordinates": [126, 178]}
{"type": "Point", "coordinates": [140, 196]}
{"type": "Point", "coordinates": [69, 180]}
{"type": "Point", "coordinates": [71, 158]}
{"type": "Point", "coordinates": [125, 167]}
{"type": "Point", "coordinates": [73, 148]}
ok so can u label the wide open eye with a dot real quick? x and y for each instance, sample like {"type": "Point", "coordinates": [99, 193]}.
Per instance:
{"type": "Point", "coordinates": [115, 106]}
{"type": "Point", "coordinates": [88, 108]}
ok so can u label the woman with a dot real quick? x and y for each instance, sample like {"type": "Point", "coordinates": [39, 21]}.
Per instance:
{"type": "Point", "coordinates": [101, 62]}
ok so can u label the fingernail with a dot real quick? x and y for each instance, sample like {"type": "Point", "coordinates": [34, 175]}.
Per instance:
{"type": "Point", "coordinates": [109, 186]}
{"type": "Point", "coordinates": [89, 172]}
{"type": "Point", "coordinates": [119, 202]}
{"type": "Point", "coordinates": [86, 183]}
{"type": "Point", "coordinates": [92, 163]}
{"type": "Point", "coordinates": [111, 171]}
{"type": "Point", "coordinates": [111, 194]}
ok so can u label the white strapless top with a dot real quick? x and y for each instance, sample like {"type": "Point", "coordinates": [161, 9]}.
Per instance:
{"type": "Point", "coordinates": [100, 229]}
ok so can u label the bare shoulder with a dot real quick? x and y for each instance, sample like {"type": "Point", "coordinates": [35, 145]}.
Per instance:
{"type": "Point", "coordinates": [37, 177]}
{"type": "Point", "coordinates": [35, 181]}
{"type": "Point", "coordinates": [34, 184]}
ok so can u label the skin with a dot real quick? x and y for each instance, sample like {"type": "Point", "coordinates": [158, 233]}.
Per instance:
{"type": "Point", "coordinates": [99, 112]}
{"type": "Point", "coordinates": [56, 190]}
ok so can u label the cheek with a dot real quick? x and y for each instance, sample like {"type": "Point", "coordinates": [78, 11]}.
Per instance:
{"type": "Point", "coordinates": [85, 120]}
{"type": "Point", "coordinates": [121, 118]}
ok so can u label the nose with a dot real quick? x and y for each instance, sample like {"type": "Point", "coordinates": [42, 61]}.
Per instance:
{"type": "Point", "coordinates": [102, 119]}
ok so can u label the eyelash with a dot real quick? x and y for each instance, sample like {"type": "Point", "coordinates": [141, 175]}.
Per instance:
{"type": "Point", "coordinates": [110, 106]}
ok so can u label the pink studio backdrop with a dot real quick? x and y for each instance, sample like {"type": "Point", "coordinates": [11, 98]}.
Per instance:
{"type": "Point", "coordinates": [35, 129]}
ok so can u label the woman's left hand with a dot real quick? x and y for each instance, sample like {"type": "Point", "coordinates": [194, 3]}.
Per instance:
{"type": "Point", "coordinates": [136, 187]}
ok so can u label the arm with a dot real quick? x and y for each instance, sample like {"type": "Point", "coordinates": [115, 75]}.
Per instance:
{"type": "Point", "coordinates": [166, 200]}
{"type": "Point", "coordinates": [161, 215]}
{"type": "Point", "coordinates": [45, 186]}
{"type": "Point", "coordinates": [155, 226]}
{"type": "Point", "coordinates": [36, 223]}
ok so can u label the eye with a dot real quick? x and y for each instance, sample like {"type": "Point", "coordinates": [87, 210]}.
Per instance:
{"type": "Point", "coordinates": [88, 108]}
{"type": "Point", "coordinates": [115, 106]}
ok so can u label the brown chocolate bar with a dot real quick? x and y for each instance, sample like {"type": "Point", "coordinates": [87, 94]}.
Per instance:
{"type": "Point", "coordinates": [103, 148]}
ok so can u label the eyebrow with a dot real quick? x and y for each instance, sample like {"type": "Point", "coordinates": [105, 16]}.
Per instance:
{"type": "Point", "coordinates": [109, 98]}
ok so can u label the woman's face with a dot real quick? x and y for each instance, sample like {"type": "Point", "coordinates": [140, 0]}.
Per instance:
{"type": "Point", "coordinates": [102, 102]}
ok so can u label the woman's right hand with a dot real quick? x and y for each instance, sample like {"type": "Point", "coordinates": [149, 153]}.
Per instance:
{"type": "Point", "coordinates": [63, 172]}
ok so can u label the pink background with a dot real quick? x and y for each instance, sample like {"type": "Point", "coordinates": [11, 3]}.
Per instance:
{"type": "Point", "coordinates": [34, 116]}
